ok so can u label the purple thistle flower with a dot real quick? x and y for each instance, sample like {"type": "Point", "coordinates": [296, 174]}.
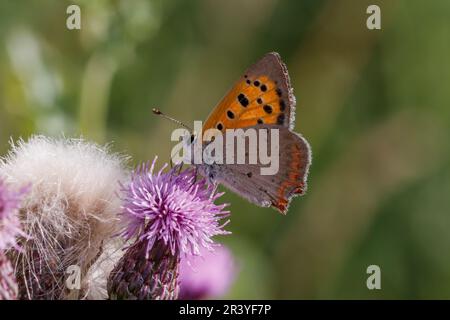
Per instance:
{"type": "Point", "coordinates": [208, 276]}
{"type": "Point", "coordinates": [9, 231]}
{"type": "Point", "coordinates": [167, 215]}
{"type": "Point", "coordinates": [9, 221]}
{"type": "Point", "coordinates": [8, 284]}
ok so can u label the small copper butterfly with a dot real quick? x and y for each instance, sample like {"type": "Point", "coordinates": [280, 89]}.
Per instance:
{"type": "Point", "coordinates": [262, 99]}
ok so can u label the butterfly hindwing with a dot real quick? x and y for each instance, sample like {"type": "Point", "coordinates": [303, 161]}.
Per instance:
{"type": "Point", "coordinates": [274, 190]}
{"type": "Point", "coordinates": [262, 96]}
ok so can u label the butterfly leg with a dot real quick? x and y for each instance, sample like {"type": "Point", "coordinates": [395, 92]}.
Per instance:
{"type": "Point", "coordinates": [181, 167]}
{"type": "Point", "coordinates": [196, 173]}
{"type": "Point", "coordinates": [195, 176]}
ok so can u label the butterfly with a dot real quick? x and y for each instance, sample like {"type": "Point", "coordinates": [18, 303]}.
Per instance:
{"type": "Point", "coordinates": [262, 99]}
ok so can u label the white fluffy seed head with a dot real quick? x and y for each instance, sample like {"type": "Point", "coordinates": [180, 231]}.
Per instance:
{"type": "Point", "coordinates": [71, 210]}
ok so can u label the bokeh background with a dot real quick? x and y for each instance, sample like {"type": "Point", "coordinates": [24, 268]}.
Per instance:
{"type": "Point", "coordinates": [375, 106]}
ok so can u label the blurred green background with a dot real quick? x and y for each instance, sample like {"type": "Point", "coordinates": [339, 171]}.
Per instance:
{"type": "Point", "coordinates": [375, 106]}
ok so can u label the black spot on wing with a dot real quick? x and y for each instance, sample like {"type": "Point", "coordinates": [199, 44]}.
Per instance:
{"type": "Point", "coordinates": [282, 105]}
{"type": "Point", "coordinates": [268, 109]}
{"type": "Point", "coordinates": [243, 100]}
{"type": "Point", "coordinates": [280, 118]}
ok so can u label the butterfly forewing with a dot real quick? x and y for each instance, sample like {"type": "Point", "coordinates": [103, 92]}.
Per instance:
{"type": "Point", "coordinates": [263, 95]}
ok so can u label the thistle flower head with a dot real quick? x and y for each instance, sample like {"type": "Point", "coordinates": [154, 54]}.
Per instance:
{"type": "Point", "coordinates": [8, 284]}
{"type": "Point", "coordinates": [167, 215]}
{"type": "Point", "coordinates": [69, 214]}
{"type": "Point", "coordinates": [9, 231]}
{"type": "Point", "coordinates": [9, 221]}
{"type": "Point", "coordinates": [173, 207]}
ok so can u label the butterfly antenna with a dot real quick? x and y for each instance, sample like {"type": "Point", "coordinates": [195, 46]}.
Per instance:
{"type": "Point", "coordinates": [159, 113]}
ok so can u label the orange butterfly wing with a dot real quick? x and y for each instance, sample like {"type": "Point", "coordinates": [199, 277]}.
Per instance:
{"type": "Point", "coordinates": [262, 96]}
